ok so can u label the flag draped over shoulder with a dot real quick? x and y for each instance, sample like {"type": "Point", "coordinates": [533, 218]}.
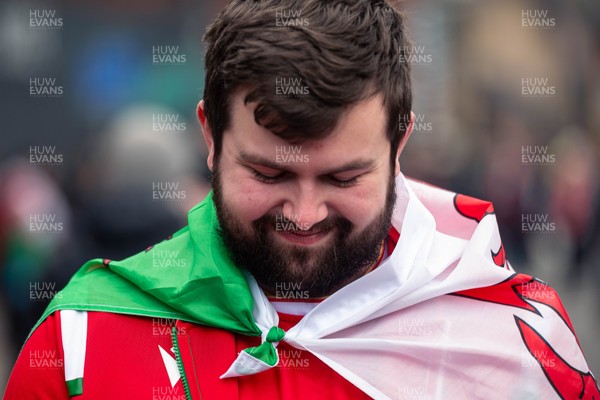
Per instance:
{"type": "Point", "coordinates": [444, 316]}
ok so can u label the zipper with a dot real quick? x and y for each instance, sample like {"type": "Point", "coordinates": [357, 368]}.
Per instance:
{"type": "Point", "coordinates": [184, 381]}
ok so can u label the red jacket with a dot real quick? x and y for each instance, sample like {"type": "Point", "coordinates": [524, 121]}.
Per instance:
{"type": "Point", "coordinates": [129, 357]}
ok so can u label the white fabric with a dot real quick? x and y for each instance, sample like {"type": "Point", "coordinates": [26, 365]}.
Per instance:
{"type": "Point", "coordinates": [73, 325]}
{"type": "Point", "coordinates": [265, 317]}
{"type": "Point", "coordinates": [395, 334]}
{"type": "Point", "coordinates": [170, 366]}
{"type": "Point", "coordinates": [245, 364]}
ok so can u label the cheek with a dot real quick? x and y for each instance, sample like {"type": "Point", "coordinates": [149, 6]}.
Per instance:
{"type": "Point", "coordinates": [247, 198]}
{"type": "Point", "coordinates": [361, 205]}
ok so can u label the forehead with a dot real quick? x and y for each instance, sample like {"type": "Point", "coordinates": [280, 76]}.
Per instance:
{"type": "Point", "coordinates": [361, 130]}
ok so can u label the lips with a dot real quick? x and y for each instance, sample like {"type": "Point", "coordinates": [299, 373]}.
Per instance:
{"type": "Point", "coordinates": [304, 233]}
{"type": "Point", "coordinates": [301, 237]}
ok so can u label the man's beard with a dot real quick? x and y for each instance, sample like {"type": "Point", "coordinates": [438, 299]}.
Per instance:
{"type": "Point", "coordinates": [293, 271]}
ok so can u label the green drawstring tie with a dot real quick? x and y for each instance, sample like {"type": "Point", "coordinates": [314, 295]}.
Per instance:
{"type": "Point", "coordinates": [266, 352]}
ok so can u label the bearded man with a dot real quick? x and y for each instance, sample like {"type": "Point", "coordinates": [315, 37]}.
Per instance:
{"type": "Point", "coordinates": [313, 269]}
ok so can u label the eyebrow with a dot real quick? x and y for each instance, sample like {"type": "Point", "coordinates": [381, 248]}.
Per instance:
{"type": "Point", "coordinates": [349, 166]}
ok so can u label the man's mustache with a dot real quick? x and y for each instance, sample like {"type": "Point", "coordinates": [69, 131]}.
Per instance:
{"type": "Point", "coordinates": [282, 223]}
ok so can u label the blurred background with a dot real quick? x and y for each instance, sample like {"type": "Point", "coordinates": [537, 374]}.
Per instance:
{"type": "Point", "coordinates": [101, 154]}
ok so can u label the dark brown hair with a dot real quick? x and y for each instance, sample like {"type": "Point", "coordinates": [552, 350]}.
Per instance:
{"type": "Point", "coordinates": [343, 52]}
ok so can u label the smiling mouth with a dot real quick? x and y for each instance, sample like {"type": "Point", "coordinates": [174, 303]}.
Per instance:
{"type": "Point", "coordinates": [301, 237]}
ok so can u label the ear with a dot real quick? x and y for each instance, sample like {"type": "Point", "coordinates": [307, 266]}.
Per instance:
{"type": "Point", "coordinates": [407, 133]}
{"type": "Point", "coordinates": [208, 137]}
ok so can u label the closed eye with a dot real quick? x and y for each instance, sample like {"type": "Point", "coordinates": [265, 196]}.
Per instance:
{"type": "Point", "coordinates": [267, 178]}
{"type": "Point", "coordinates": [344, 182]}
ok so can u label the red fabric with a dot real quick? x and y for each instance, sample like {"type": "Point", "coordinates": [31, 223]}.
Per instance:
{"type": "Point", "coordinates": [472, 207]}
{"type": "Point", "coordinates": [300, 375]}
{"type": "Point", "coordinates": [393, 238]}
{"type": "Point", "coordinates": [123, 361]}
{"type": "Point", "coordinates": [123, 358]}
{"type": "Point", "coordinates": [208, 352]}
{"type": "Point", "coordinates": [39, 372]}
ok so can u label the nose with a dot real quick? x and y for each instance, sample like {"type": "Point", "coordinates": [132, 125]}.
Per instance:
{"type": "Point", "coordinates": [305, 207]}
